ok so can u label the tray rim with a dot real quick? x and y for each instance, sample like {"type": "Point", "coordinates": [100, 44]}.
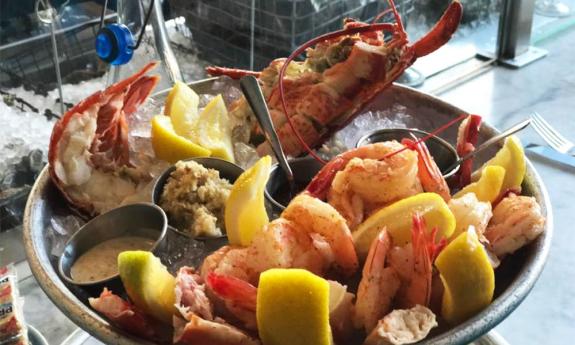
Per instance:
{"type": "Point", "coordinates": [466, 332]}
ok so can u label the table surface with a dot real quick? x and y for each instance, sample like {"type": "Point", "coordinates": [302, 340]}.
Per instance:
{"type": "Point", "coordinates": [504, 97]}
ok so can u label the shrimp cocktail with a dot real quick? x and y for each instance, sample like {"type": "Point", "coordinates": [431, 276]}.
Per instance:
{"type": "Point", "coordinates": [378, 248]}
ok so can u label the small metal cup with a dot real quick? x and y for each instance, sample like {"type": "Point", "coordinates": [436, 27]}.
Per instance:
{"type": "Point", "coordinates": [304, 169]}
{"type": "Point", "coordinates": [442, 152]}
{"type": "Point", "coordinates": [227, 170]}
{"type": "Point", "coordinates": [141, 219]}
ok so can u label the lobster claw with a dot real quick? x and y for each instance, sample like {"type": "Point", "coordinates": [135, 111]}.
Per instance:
{"type": "Point", "coordinates": [441, 31]}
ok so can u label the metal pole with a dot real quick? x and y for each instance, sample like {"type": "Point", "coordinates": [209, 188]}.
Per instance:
{"type": "Point", "coordinates": [163, 44]}
{"type": "Point", "coordinates": [514, 35]}
{"type": "Point", "coordinates": [57, 61]}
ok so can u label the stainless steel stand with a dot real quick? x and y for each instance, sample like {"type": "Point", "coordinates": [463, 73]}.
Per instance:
{"type": "Point", "coordinates": [514, 35]}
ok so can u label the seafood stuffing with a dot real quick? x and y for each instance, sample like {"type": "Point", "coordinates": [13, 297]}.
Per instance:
{"type": "Point", "coordinates": [194, 198]}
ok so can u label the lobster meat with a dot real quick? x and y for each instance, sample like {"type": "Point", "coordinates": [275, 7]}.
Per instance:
{"type": "Point", "coordinates": [343, 70]}
{"type": "Point", "coordinates": [89, 157]}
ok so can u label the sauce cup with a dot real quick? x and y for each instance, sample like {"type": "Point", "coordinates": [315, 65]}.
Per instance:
{"type": "Point", "coordinates": [227, 170]}
{"type": "Point", "coordinates": [442, 152]}
{"type": "Point", "coordinates": [142, 220]}
{"type": "Point", "coordinates": [277, 190]}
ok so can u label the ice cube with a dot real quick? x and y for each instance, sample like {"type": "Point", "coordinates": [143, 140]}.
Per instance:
{"type": "Point", "coordinates": [245, 155]}
{"type": "Point", "coordinates": [178, 250]}
{"type": "Point", "coordinates": [60, 229]}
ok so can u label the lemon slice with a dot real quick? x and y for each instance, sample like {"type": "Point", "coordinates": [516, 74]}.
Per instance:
{"type": "Point", "coordinates": [148, 283]}
{"type": "Point", "coordinates": [467, 276]}
{"type": "Point", "coordinates": [214, 131]}
{"type": "Point", "coordinates": [510, 157]}
{"type": "Point", "coordinates": [489, 185]}
{"type": "Point", "coordinates": [245, 213]}
{"type": "Point", "coordinates": [182, 107]}
{"type": "Point", "coordinates": [293, 308]}
{"type": "Point", "coordinates": [171, 147]}
{"type": "Point", "coordinates": [398, 220]}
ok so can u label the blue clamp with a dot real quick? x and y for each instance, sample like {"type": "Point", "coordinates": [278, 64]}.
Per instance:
{"type": "Point", "coordinates": [115, 44]}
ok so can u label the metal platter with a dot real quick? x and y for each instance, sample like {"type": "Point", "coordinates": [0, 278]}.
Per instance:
{"type": "Point", "coordinates": [514, 278]}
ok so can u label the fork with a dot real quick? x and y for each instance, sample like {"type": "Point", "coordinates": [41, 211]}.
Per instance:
{"type": "Point", "coordinates": [551, 136]}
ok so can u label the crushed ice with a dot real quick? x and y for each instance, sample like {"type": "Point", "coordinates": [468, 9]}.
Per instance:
{"type": "Point", "coordinates": [347, 138]}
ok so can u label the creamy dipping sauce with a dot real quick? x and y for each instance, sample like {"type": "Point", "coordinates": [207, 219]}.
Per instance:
{"type": "Point", "coordinates": [101, 261]}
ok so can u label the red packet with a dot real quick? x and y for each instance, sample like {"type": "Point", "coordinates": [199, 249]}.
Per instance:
{"type": "Point", "coordinates": [12, 327]}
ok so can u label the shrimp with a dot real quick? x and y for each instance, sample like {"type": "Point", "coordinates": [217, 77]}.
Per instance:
{"type": "Point", "coordinates": [317, 217]}
{"type": "Point", "coordinates": [414, 264]}
{"type": "Point", "coordinates": [377, 287]}
{"type": "Point", "coordinates": [280, 245]}
{"type": "Point", "coordinates": [366, 178]}
{"type": "Point", "coordinates": [239, 297]}
{"type": "Point", "coordinates": [403, 326]}
{"type": "Point", "coordinates": [516, 221]}
{"type": "Point", "coordinates": [310, 234]}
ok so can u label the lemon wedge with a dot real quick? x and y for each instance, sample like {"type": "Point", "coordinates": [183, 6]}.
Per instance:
{"type": "Point", "coordinates": [293, 308]}
{"type": "Point", "coordinates": [182, 107]}
{"type": "Point", "coordinates": [171, 147]}
{"type": "Point", "coordinates": [467, 277]}
{"type": "Point", "coordinates": [214, 131]}
{"type": "Point", "coordinates": [489, 185]}
{"type": "Point", "coordinates": [148, 283]}
{"type": "Point", "coordinates": [245, 213]}
{"type": "Point", "coordinates": [510, 157]}
{"type": "Point", "coordinates": [398, 218]}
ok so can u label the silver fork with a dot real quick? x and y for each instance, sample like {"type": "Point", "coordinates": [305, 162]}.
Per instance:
{"type": "Point", "coordinates": [551, 136]}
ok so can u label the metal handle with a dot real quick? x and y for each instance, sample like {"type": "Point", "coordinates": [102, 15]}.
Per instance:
{"type": "Point", "coordinates": [511, 130]}
{"type": "Point", "coordinates": [255, 97]}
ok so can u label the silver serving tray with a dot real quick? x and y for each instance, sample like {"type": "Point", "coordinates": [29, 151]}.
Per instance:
{"type": "Point", "coordinates": [514, 279]}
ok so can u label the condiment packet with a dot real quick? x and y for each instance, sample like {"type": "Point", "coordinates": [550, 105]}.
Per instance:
{"type": "Point", "coordinates": [12, 327]}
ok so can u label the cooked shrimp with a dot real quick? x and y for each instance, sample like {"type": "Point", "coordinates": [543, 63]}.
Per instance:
{"type": "Point", "coordinates": [516, 221]}
{"type": "Point", "coordinates": [370, 180]}
{"type": "Point", "coordinates": [239, 297]}
{"type": "Point", "coordinates": [413, 264]}
{"type": "Point", "coordinates": [280, 245]}
{"type": "Point", "coordinates": [377, 287]}
{"type": "Point", "coordinates": [317, 217]}
{"type": "Point", "coordinates": [403, 326]}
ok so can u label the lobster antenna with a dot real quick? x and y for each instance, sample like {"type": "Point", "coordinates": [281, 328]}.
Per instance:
{"type": "Point", "coordinates": [396, 14]}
